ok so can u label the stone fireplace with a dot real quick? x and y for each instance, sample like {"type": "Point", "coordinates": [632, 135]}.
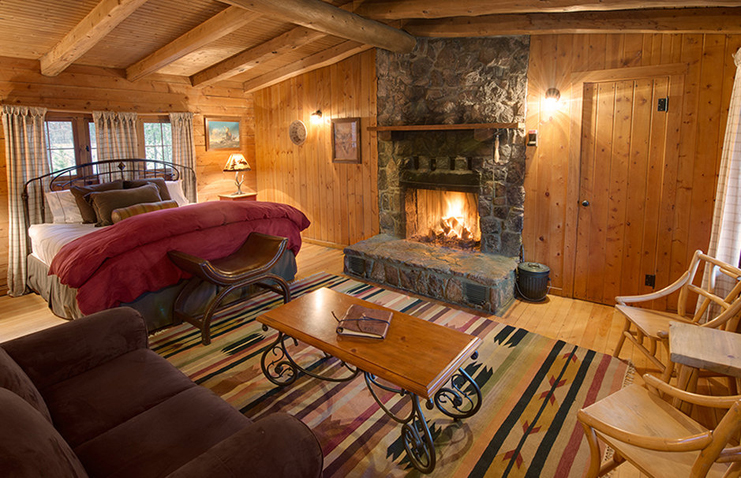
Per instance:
{"type": "Point", "coordinates": [459, 186]}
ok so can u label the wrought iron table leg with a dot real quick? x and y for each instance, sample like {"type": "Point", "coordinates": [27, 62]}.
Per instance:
{"type": "Point", "coordinates": [279, 367]}
{"type": "Point", "coordinates": [461, 399]}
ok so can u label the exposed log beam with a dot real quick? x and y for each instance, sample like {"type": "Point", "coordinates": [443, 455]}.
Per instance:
{"type": "Point", "coordinates": [220, 25]}
{"type": "Point", "coordinates": [403, 9]}
{"type": "Point", "coordinates": [689, 20]}
{"type": "Point", "coordinates": [97, 24]}
{"type": "Point", "coordinates": [305, 65]}
{"type": "Point", "coordinates": [247, 59]}
{"type": "Point", "coordinates": [331, 20]}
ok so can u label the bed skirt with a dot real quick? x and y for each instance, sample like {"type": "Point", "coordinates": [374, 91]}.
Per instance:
{"type": "Point", "coordinates": [155, 307]}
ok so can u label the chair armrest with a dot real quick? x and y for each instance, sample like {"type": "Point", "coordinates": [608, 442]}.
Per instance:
{"type": "Point", "coordinates": [671, 288]}
{"type": "Point", "coordinates": [689, 443]}
{"type": "Point", "coordinates": [694, 398]}
{"type": "Point", "coordinates": [58, 353]}
{"type": "Point", "coordinates": [276, 446]}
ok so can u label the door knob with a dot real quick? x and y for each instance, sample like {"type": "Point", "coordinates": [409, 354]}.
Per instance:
{"type": "Point", "coordinates": [585, 203]}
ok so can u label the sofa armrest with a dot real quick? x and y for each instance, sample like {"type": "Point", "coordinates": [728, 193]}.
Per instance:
{"type": "Point", "coordinates": [276, 446]}
{"type": "Point", "coordinates": [55, 354]}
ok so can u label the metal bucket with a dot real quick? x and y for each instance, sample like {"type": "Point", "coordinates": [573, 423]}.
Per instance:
{"type": "Point", "coordinates": [532, 281]}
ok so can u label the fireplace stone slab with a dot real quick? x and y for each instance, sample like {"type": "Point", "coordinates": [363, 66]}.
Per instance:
{"type": "Point", "coordinates": [481, 281]}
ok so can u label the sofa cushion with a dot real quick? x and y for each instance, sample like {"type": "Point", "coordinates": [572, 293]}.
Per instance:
{"type": "Point", "coordinates": [162, 439]}
{"type": "Point", "coordinates": [88, 404]}
{"type": "Point", "coordinates": [13, 378]}
{"type": "Point", "coordinates": [30, 445]}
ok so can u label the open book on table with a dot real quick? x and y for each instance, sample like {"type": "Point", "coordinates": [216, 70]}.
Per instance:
{"type": "Point", "coordinates": [361, 321]}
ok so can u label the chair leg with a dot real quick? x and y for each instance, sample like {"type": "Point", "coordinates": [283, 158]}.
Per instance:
{"type": "Point", "coordinates": [621, 340]}
{"type": "Point", "coordinates": [595, 456]}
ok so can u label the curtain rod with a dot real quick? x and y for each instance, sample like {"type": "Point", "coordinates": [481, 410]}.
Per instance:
{"type": "Point", "coordinates": [52, 110]}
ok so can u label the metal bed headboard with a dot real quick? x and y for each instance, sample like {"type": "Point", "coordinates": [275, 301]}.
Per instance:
{"type": "Point", "coordinates": [95, 173]}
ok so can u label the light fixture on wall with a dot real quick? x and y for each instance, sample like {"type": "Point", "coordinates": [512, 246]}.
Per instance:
{"type": "Point", "coordinates": [316, 117]}
{"type": "Point", "coordinates": [552, 95]}
{"type": "Point", "coordinates": [237, 163]}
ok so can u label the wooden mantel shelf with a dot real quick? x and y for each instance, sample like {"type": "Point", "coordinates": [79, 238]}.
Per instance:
{"type": "Point", "coordinates": [444, 127]}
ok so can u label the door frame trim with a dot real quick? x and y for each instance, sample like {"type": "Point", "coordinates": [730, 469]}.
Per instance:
{"type": "Point", "coordinates": [578, 79]}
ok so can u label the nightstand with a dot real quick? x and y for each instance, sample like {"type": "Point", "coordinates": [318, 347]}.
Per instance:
{"type": "Point", "coordinates": [238, 197]}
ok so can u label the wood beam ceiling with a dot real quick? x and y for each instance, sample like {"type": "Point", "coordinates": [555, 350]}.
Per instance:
{"type": "Point", "coordinates": [688, 20]}
{"type": "Point", "coordinates": [247, 59]}
{"type": "Point", "coordinates": [305, 65]}
{"type": "Point", "coordinates": [218, 26]}
{"type": "Point", "coordinates": [321, 16]}
{"type": "Point", "coordinates": [96, 25]}
{"type": "Point", "coordinates": [406, 9]}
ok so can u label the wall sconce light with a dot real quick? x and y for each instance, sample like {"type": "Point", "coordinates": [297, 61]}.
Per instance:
{"type": "Point", "coordinates": [316, 117]}
{"type": "Point", "coordinates": [552, 95]}
{"type": "Point", "coordinates": [237, 164]}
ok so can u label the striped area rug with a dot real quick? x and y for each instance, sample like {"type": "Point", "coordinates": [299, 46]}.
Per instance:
{"type": "Point", "coordinates": [532, 387]}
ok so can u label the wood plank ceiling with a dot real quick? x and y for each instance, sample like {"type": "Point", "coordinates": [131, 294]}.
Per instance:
{"type": "Point", "coordinates": [257, 43]}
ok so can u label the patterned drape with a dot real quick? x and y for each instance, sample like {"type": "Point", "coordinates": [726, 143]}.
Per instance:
{"type": "Point", "coordinates": [725, 236]}
{"type": "Point", "coordinates": [116, 136]}
{"type": "Point", "coordinates": [184, 150]}
{"type": "Point", "coordinates": [25, 148]}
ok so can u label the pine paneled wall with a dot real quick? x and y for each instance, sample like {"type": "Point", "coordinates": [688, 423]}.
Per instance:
{"type": "Point", "coordinates": [693, 147]}
{"type": "Point", "coordinates": [340, 199]}
{"type": "Point", "coordinates": [81, 88]}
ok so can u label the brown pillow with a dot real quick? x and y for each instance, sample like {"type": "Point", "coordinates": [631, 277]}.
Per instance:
{"type": "Point", "coordinates": [125, 212]}
{"type": "Point", "coordinates": [15, 379]}
{"type": "Point", "coordinates": [159, 182]}
{"type": "Point", "coordinates": [86, 209]}
{"type": "Point", "coordinates": [106, 201]}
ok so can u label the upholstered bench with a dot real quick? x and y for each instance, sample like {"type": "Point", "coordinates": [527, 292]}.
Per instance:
{"type": "Point", "coordinates": [88, 398]}
{"type": "Point", "coordinates": [249, 265]}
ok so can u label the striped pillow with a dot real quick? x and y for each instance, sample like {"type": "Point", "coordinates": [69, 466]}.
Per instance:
{"type": "Point", "coordinates": [125, 212]}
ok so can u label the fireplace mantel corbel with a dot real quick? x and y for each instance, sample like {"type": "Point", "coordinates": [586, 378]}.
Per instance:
{"type": "Point", "coordinates": [481, 131]}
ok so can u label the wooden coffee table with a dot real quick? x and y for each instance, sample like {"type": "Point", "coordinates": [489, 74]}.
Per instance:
{"type": "Point", "coordinates": [421, 358]}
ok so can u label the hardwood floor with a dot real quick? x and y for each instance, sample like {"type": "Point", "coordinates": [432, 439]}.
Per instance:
{"type": "Point", "coordinates": [582, 323]}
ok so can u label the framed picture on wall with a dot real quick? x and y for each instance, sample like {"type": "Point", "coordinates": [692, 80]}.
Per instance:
{"type": "Point", "coordinates": [222, 133]}
{"type": "Point", "coordinates": [346, 140]}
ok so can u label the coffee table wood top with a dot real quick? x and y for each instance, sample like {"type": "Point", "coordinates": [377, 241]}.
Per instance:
{"type": "Point", "coordinates": [708, 349]}
{"type": "Point", "coordinates": [416, 355]}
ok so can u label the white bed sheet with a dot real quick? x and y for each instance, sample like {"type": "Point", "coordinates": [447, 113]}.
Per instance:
{"type": "Point", "coordinates": [48, 239]}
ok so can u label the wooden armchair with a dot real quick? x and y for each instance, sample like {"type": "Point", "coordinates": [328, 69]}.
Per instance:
{"type": "Point", "coordinates": [652, 326]}
{"type": "Point", "coordinates": [657, 438]}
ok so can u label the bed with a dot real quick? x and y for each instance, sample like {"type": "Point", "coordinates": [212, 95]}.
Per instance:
{"type": "Point", "coordinates": [80, 268]}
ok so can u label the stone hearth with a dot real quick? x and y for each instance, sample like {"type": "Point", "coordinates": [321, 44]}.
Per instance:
{"type": "Point", "coordinates": [481, 281]}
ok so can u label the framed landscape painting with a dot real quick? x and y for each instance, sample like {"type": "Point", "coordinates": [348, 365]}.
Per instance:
{"type": "Point", "coordinates": [222, 133]}
{"type": "Point", "coordinates": [346, 140]}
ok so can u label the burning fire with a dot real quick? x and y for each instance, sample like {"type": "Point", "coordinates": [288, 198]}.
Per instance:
{"type": "Point", "coordinates": [453, 224]}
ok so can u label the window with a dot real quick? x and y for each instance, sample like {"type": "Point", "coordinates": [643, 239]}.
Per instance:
{"type": "Point", "coordinates": [60, 144]}
{"type": "Point", "coordinates": [68, 140]}
{"type": "Point", "coordinates": [157, 141]}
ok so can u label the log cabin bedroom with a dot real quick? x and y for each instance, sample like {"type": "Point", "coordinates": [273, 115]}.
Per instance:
{"type": "Point", "coordinates": [370, 238]}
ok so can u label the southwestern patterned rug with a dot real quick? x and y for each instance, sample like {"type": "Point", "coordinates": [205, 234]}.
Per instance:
{"type": "Point", "coordinates": [532, 387]}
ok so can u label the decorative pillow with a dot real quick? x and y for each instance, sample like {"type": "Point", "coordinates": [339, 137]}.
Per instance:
{"type": "Point", "coordinates": [159, 182]}
{"type": "Point", "coordinates": [15, 379]}
{"type": "Point", "coordinates": [86, 209]}
{"type": "Point", "coordinates": [63, 207]}
{"type": "Point", "coordinates": [125, 212]}
{"type": "Point", "coordinates": [176, 192]}
{"type": "Point", "coordinates": [106, 201]}
{"type": "Point", "coordinates": [31, 446]}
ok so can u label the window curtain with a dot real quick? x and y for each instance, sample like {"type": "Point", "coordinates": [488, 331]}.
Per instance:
{"type": "Point", "coordinates": [184, 150]}
{"type": "Point", "coordinates": [25, 149]}
{"type": "Point", "coordinates": [116, 137]}
{"type": "Point", "coordinates": [725, 236]}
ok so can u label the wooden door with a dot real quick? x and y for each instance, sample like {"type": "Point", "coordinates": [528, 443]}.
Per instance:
{"type": "Point", "coordinates": [623, 160]}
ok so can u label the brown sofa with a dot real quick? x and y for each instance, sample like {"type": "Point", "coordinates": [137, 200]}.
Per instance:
{"type": "Point", "coordinates": [88, 398]}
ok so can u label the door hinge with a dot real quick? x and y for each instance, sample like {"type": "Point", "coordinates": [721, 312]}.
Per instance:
{"type": "Point", "coordinates": [650, 280]}
{"type": "Point", "coordinates": [663, 104]}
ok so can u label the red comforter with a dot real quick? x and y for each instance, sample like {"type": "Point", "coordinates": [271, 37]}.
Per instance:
{"type": "Point", "coordinates": [119, 263]}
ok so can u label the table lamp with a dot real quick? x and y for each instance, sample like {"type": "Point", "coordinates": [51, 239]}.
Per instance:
{"type": "Point", "coordinates": [238, 164]}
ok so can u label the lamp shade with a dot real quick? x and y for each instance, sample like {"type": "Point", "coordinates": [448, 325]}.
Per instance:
{"type": "Point", "coordinates": [237, 162]}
